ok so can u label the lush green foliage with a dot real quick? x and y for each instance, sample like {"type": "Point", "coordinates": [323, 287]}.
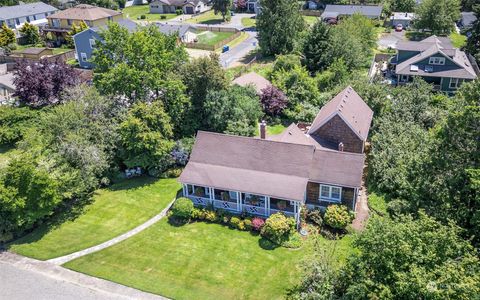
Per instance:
{"type": "Point", "coordinates": [439, 16]}
{"type": "Point", "coordinates": [279, 27]}
{"type": "Point", "coordinates": [473, 41]}
{"type": "Point", "coordinates": [278, 228]}
{"type": "Point", "coordinates": [146, 137]}
{"type": "Point", "coordinates": [315, 216]}
{"type": "Point", "coordinates": [28, 193]}
{"type": "Point", "coordinates": [14, 122]}
{"type": "Point", "coordinates": [315, 47]}
{"type": "Point", "coordinates": [222, 7]}
{"type": "Point", "coordinates": [391, 6]}
{"type": "Point", "coordinates": [337, 216]}
{"type": "Point", "coordinates": [235, 110]}
{"type": "Point", "coordinates": [7, 36]}
{"type": "Point", "coordinates": [30, 33]}
{"type": "Point", "coordinates": [73, 31]}
{"type": "Point", "coordinates": [182, 209]}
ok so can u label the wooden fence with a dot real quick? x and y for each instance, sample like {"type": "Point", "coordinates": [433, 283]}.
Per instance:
{"type": "Point", "coordinates": [217, 45]}
{"type": "Point", "coordinates": [62, 57]}
{"type": "Point", "coordinates": [313, 13]}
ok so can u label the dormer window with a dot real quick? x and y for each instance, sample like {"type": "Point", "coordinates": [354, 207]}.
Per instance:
{"type": "Point", "coordinates": [436, 61]}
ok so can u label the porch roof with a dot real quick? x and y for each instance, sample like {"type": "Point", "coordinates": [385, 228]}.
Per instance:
{"type": "Point", "coordinates": [247, 181]}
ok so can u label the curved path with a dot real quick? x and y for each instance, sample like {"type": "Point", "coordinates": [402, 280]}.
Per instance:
{"type": "Point", "coordinates": [64, 259]}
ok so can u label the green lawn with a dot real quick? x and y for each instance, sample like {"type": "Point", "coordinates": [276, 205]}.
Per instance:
{"type": "Point", "coordinates": [60, 50]}
{"type": "Point", "coordinates": [211, 38]}
{"type": "Point", "coordinates": [249, 22]}
{"type": "Point", "coordinates": [135, 11]}
{"type": "Point", "coordinates": [114, 211]}
{"type": "Point", "coordinates": [271, 129]}
{"type": "Point", "coordinates": [201, 261]}
{"type": "Point", "coordinates": [208, 18]}
{"type": "Point", "coordinates": [458, 40]}
{"type": "Point", "coordinates": [377, 203]}
{"type": "Point", "coordinates": [311, 19]}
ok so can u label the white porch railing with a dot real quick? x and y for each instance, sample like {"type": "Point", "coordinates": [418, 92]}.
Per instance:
{"type": "Point", "coordinates": [225, 205]}
{"type": "Point", "coordinates": [287, 213]}
{"type": "Point", "coordinates": [256, 210]}
{"type": "Point", "coordinates": [199, 200]}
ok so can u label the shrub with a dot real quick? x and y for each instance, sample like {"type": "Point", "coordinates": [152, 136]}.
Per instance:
{"type": "Point", "coordinates": [337, 216]}
{"type": "Point", "coordinates": [235, 222]}
{"type": "Point", "coordinates": [241, 225]}
{"type": "Point", "coordinates": [278, 227]}
{"type": "Point", "coordinates": [210, 215]}
{"type": "Point", "coordinates": [182, 208]}
{"type": "Point", "coordinates": [197, 214]}
{"type": "Point", "coordinates": [248, 224]}
{"type": "Point", "coordinates": [315, 216]}
{"type": "Point", "coordinates": [172, 173]}
{"type": "Point", "coordinates": [294, 240]}
{"type": "Point", "coordinates": [257, 223]}
{"type": "Point", "coordinates": [179, 12]}
{"type": "Point", "coordinates": [163, 17]}
{"type": "Point", "coordinates": [143, 17]}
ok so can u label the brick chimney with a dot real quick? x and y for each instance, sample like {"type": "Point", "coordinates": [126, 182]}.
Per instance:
{"type": "Point", "coordinates": [340, 146]}
{"type": "Point", "coordinates": [263, 130]}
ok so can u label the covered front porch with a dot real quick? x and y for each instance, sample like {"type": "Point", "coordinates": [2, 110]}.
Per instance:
{"type": "Point", "coordinates": [238, 202]}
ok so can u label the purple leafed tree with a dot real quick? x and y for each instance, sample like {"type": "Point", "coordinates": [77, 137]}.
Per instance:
{"type": "Point", "coordinates": [241, 4]}
{"type": "Point", "coordinates": [273, 100]}
{"type": "Point", "coordinates": [40, 83]}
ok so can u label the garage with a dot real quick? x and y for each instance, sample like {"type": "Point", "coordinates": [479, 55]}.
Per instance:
{"type": "Point", "coordinates": [189, 10]}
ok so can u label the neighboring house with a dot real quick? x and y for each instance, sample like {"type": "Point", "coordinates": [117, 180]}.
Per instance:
{"type": "Point", "coordinates": [253, 6]}
{"type": "Point", "coordinates": [252, 79]}
{"type": "Point", "coordinates": [85, 42]}
{"type": "Point", "coordinates": [338, 11]}
{"type": "Point", "coordinates": [281, 173]}
{"type": "Point", "coordinates": [186, 33]}
{"type": "Point", "coordinates": [34, 13]}
{"type": "Point", "coordinates": [403, 18]}
{"type": "Point", "coordinates": [64, 4]}
{"type": "Point", "coordinates": [7, 88]}
{"type": "Point", "coordinates": [188, 7]}
{"type": "Point", "coordinates": [436, 61]}
{"type": "Point", "coordinates": [61, 22]}
{"type": "Point", "coordinates": [466, 20]}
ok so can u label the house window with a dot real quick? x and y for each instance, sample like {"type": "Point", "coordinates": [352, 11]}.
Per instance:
{"type": "Point", "coordinates": [404, 78]}
{"type": "Point", "coordinates": [17, 21]}
{"type": "Point", "coordinates": [83, 56]}
{"type": "Point", "coordinates": [69, 22]}
{"type": "Point", "coordinates": [436, 60]}
{"type": "Point", "coordinates": [330, 193]}
{"type": "Point", "coordinates": [454, 83]}
{"type": "Point", "coordinates": [92, 43]}
{"type": "Point", "coordinates": [89, 23]}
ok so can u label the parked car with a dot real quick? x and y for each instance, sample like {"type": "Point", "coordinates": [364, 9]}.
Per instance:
{"type": "Point", "coordinates": [399, 27]}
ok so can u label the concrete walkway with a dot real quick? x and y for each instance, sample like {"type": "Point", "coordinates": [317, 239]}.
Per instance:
{"type": "Point", "coordinates": [362, 212]}
{"type": "Point", "coordinates": [26, 278]}
{"type": "Point", "coordinates": [63, 259]}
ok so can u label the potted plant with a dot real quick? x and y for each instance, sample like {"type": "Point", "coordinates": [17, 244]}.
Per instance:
{"type": "Point", "coordinates": [225, 196]}
{"type": "Point", "coordinates": [282, 204]}
{"type": "Point", "coordinates": [199, 192]}
{"type": "Point", "coordinates": [254, 200]}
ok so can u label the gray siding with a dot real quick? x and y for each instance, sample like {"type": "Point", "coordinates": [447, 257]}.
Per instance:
{"type": "Point", "coordinates": [82, 45]}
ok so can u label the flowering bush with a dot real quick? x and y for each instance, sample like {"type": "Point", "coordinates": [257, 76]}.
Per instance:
{"type": "Point", "coordinates": [248, 224]}
{"type": "Point", "coordinates": [278, 227]}
{"type": "Point", "coordinates": [210, 215]}
{"type": "Point", "coordinates": [337, 216]}
{"type": "Point", "coordinates": [257, 223]}
{"type": "Point", "coordinates": [234, 222]}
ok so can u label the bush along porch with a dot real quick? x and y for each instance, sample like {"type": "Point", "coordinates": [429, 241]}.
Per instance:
{"type": "Point", "coordinates": [316, 166]}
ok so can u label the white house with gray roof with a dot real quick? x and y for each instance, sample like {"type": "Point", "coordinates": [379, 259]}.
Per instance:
{"type": "Point", "coordinates": [188, 7]}
{"type": "Point", "coordinates": [34, 13]}
{"type": "Point", "coordinates": [338, 11]}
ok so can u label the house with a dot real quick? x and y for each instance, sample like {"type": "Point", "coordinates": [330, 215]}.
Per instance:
{"type": "Point", "coordinates": [188, 7]}
{"type": "Point", "coordinates": [7, 88]}
{"type": "Point", "coordinates": [252, 79]}
{"type": "Point", "coordinates": [467, 19]}
{"type": "Point", "coordinates": [436, 61]}
{"type": "Point", "coordinates": [85, 42]}
{"type": "Point", "coordinates": [64, 4]}
{"type": "Point", "coordinates": [253, 6]}
{"type": "Point", "coordinates": [281, 173]}
{"type": "Point", "coordinates": [61, 22]}
{"type": "Point", "coordinates": [186, 33]}
{"type": "Point", "coordinates": [34, 13]}
{"type": "Point", "coordinates": [403, 18]}
{"type": "Point", "coordinates": [339, 11]}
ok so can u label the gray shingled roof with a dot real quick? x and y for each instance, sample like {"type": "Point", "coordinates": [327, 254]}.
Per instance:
{"type": "Point", "coordinates": [435, 46]}
{"type": "Point", "coordinates": [353, 110]}
{"type": "Point", "coordinates": [130, 25]}
{"type": "Point", "coordinates": [252, 78]}
{"type": "Point", "coordinates": [468, 18]}
{"type": "Point", "coordinates": [23, 10]}
{"type": "Point", "coordinates": [170, 29]}
{"type": "Point", "coordinates": [366, 10]}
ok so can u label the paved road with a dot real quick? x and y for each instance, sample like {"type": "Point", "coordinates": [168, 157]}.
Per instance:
{"type": "Point", "coordinates": [18, 284]}
{"type": "Point", "coordinates": [237, 53]}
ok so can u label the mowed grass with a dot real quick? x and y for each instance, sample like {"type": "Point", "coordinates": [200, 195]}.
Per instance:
{"type": "Point", "coordinates": [458, 40]}
{"type": "Point", "coordinates": [114, 211]}
{"type": "Point", "coordinates": [134, 12]}
{"type": "Point", "coordinates": [211, 38]}
{"type": "Point", "coordinates": [201, 261]}
{"type": "Point", "coordinates": [208, 18]}
{"type": "Point", "coordinates": [249, 22]}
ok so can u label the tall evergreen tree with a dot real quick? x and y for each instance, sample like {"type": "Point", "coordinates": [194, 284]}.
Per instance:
{"type": "Point", "coordinates": [30, 32]}
{"type": "Point", "coordinates": [473, 41]}
{"type": "Point", "coordinates": [7, 36]}
{"type": "Point", "coordinates": [315, 47]}
{"type": "Point", "coordinates": [279, 26]}
{"type": "Point", "coordinates": [222, 7]}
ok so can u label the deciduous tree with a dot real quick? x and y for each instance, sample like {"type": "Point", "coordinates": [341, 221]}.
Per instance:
{"type": "Point", "coordinates": [439, 16]}
{"type": "Point", "coordinates": [222, 7]}
{"type": "Point", "coordinates": [273, 100]}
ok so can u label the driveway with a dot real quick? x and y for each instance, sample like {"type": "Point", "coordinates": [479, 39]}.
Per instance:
{"type": "Point", "coordinates": [390, 40]}
{"type": "Point", "coordinates": [235, 55]}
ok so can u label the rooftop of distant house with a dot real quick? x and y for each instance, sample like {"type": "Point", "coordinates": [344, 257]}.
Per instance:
{"type": "Point", "coordinates": [85, 12]}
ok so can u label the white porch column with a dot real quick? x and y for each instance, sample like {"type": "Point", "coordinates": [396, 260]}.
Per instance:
{"type": "Point", "coordinates": [212, 195]}
{"type": "Point", "coordinates": [184, 190]}
{"type": "Point", "coordinates": [267, 206]}
{"type": "Point", "coordinates": [239, 201]}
